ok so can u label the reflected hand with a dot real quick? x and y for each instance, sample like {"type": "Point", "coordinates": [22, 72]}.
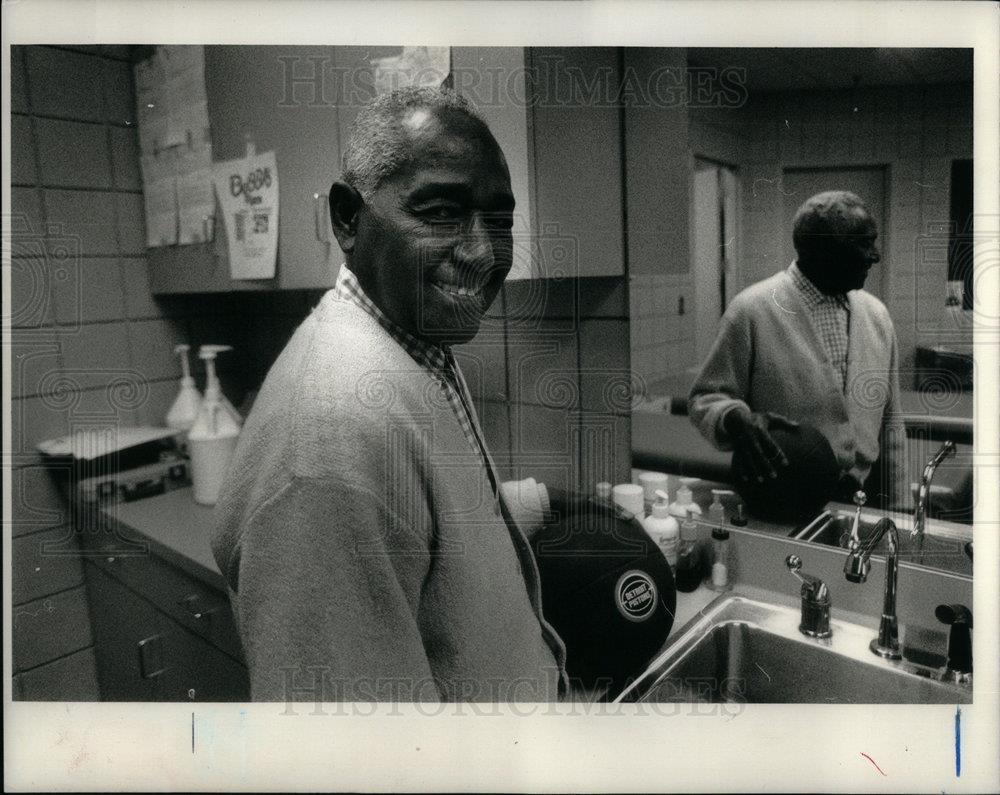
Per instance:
{"type": "Point", "coordinates": [759, 455]}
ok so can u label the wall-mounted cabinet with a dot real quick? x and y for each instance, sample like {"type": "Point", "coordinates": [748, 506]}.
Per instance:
{"type": "Point", "coordinates": [562, 140]}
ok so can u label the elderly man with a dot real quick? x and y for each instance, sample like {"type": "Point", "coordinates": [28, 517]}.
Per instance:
{"type": "Point", "coordinates": [367, 542]}
{"type": "Point", "coordinates": [809, 345]}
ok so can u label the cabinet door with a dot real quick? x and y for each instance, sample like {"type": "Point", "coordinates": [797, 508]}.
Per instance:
{"type": "Point", "coordinates": [283, 98]}
{"type": "Point", "coordinates": [128, 641]}
{"type": "Point", "coordinates": [197, 671]}
{"type": "Point", "coordinates": [577, 158]}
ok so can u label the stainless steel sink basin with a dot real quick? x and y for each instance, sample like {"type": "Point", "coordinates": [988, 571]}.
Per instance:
{"type": "Point", "coordinates": [833, 527]}
{"type": "Point", "coordinates": [745, 651]}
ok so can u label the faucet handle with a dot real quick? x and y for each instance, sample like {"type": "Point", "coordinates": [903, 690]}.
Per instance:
{"type": "Point", "coordinates": [959, 618]}
{"type": "Point", "coordinates": [860, 498]}
{"type": "Point", "coordinates": [812, 587]}
{"type": "Point", "coordinates": [816, 601]}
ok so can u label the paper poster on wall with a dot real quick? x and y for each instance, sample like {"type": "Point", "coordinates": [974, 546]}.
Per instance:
{"type": "Point", "coordinates": [247, 190]}
{"type": "Point", "coordinates": [175, 145]}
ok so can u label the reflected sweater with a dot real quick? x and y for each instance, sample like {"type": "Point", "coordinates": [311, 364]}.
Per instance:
{"type": "Point", "coordinates": [365, 554]}
{"type": "Point", "coordinates": [769, 357]}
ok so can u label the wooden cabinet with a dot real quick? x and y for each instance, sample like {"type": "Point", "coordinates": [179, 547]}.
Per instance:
{"type": "Point", "coordinates": [577, 160]}
{"type": "Point", "coordinates": [280, 98]}
{"type": "Point", "coordinates": [150, 645]}
{"type": "Point", "coordinates": [553, 110]}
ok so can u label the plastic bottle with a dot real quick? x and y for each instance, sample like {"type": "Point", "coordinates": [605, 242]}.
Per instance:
{"type": "Point", "coordinates": [716, 511]}
{"type": "Point", "coordinates": [685, 504]}
{"type": "Point", "coordinates": [689, 558]}
{"type": "Point", "coordinates": [663, 528]}
{"type": "Point", "coordinates": [208, 353]}
{"type": "Point", "coordinates": [719, 578]}
{"type": "Point", "coordinates": [603, 490]}
{"type": "Point", "coordinates": [629, 497]}
{"type": "Point", "coordinates": [212, 438]}
{"type": "Point", "coordinates": [651, 483]}
{"type": "Point", "coordinates": [184, 409]}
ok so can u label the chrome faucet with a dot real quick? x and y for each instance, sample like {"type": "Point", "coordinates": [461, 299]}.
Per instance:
{"type": "Point", "coordinates": [924, 494]}
{"type": "Point", "coordinates": [856, 569]}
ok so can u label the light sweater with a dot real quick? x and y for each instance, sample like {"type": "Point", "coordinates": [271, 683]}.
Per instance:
{"type": "Point", "coordinates": [768, 357]}
{"type": "Point", "coordinates": [361, 541]}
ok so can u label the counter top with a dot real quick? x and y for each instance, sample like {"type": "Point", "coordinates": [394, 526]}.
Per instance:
{"type": "Point", "coordinates": [178, 528]}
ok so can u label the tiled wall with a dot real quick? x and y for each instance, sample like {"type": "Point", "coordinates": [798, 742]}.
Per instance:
{"type": "Point", "coordinates": [549, 373]}
{"type": "Point", "coordinates": [915, 132]}
{"type": "Point", "coordinates": [662, 329]}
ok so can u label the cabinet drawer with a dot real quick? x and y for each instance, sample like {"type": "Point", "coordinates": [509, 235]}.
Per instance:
{"type": "Point", "coordinates": [196, 671]}
{"type": "Point", "coordinates": [193, 604]}
{"type": "Point", "coordinates": [50, 627]}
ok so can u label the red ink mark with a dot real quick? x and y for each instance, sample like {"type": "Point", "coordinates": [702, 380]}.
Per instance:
{"type": "Point", "coordinates": [873, 762]}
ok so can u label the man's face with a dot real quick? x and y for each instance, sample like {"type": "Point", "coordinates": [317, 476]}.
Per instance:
{"type": "Point", "coordinates": [434, 239]}
{"type": "Point", "coordinates": [849, 252]}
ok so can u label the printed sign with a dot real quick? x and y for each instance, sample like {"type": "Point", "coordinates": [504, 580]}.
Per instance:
{"type": "Point", "coordinates": [635, 595]}
{"type": "Point", "coordinates": [247, 190]}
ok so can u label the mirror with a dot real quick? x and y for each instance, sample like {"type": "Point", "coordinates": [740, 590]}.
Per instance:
{"type": "Point", "coordinates": [894, 127]}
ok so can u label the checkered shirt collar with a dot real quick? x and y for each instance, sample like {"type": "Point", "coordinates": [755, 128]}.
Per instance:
{"type": "Point", "coordinates": [426, 354]}
{"type": "Point", "coordinates": [811, 294]}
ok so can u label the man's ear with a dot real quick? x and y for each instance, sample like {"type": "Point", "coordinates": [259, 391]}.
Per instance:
{"type": "Point", "coordinates": [345, 205]}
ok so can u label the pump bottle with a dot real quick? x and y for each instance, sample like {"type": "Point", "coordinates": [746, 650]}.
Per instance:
{"type": "Point", "coordinates": [685, 504]}
{"type": "Point", "coordinates": [663, 528]}
{"type": "Point", "coordinates": [184, 410]}
{"type": "Point", "coordinates": [212, 439]}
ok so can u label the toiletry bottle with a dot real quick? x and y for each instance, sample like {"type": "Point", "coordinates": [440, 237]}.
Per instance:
{"type": "Point", "coordinates": [603, 490]}
{"type": "Point", "coordinates": [629, 497]}
{"type": "Point", "coordinates": [663, 528]}
{"type": "Point", "coordinates": [208, 353]}
{"type": "Point", "coordinates": [652, 482]}
{"type": "Point", "coordinates": [689, 558]}
{"type": "Point", "coordinates": [721, 563]}
{"type": "Point", "coordinates": [184, 410]}
{"type": "Point", "coordinates": [212, 438]}
{"type": "Point", "coordinates": [716, 511]}
{"type": "Point", "coordinates": [685, 504]}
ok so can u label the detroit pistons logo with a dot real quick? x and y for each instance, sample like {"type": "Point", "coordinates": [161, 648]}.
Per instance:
{"type": "Point", "coordinates": [635, 595]}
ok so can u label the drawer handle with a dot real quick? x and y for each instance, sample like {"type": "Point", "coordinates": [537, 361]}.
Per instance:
{"type": "Point", "coordinates": [321, 216]}
{"type": "Point", "coordinates": [151, 656]}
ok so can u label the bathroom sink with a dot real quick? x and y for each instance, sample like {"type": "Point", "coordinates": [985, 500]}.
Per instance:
{"type": "Point", "coordinates": [833, 528]}
{"type": "Point", "coordinates": [744, 651]}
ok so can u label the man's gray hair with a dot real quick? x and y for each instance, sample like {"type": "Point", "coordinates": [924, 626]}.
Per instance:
{"type": "Point", "coordinates": [376, 147]}
{"type": "Point", "coordinates": [816, 218]}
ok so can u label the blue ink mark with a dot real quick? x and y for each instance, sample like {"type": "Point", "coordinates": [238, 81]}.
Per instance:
{"type": "Point", "coordinates": [958, 742]}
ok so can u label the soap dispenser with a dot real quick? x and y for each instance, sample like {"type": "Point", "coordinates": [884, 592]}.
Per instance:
{"type": "Point", "coordinates": [716, 511]}
{"type": "Point", "coordinates": [212, 439]}
{"type": "Point", "coordinates": [184, 409]}
{"type": "Point", "coordinates": [208, 354]}
{"type": "Point", "coordinates": [685, 504]}
{"type": "Point", "coordinates": [663, 528]}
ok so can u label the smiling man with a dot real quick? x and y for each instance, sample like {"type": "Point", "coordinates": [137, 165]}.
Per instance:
{"type": "Point", "coordinates": [368, 544]}
{"type": "Point", "coordinates": [810, 345]}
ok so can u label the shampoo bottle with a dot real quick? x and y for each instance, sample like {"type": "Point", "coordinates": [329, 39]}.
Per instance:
{"type": "Point", "coordinates": [663, 528]}
{"type": "Point", "coordinates": [212, 439]}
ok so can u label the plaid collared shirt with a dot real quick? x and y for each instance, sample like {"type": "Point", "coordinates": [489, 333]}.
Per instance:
{"type": "Point", "coordinates": [438, 360]}
{"type": "Point", "coordinates": [831, 318]}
